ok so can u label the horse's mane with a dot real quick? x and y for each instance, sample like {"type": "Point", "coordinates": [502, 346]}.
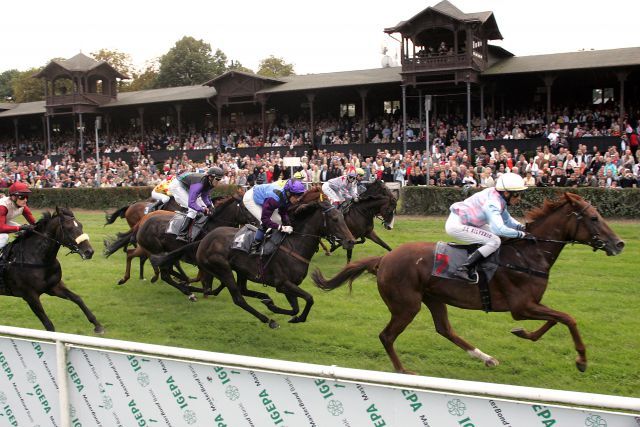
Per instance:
{"type": "Point", "coordinates": [223, 202]}
{"type": "Point", "coordinates": [547, 207]}
{"type": "Point", "coordinates": [313, 194]}
{"type": "Point", "coordinates": [376, 189]}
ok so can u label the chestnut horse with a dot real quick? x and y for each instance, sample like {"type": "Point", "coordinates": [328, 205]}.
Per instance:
{"type": "Point", "coordinates": [404, 278]}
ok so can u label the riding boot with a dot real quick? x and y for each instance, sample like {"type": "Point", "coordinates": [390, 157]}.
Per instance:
{"type": "Point", "coordinates": [183, 233]}
{"type": "Point", "coordinates": [257, 241]}
{"type": "Point", "coordinates": [467, 270]}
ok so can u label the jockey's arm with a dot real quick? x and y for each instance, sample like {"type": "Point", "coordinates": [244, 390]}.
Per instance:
{"type": "Point", "coordinates": [4, 227]}
{"type": "Point", "coordinates": [496, 222]}
{"type": "Point", "coordinates": [268, 208]}
{"type": "Point", "coordinates": [26, 213]}
{"type": "Point", "coordinates": [194, 193]}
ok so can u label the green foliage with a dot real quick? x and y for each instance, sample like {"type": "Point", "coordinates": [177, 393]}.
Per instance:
{"type": "Point", "coordinates": [144, 79]}
{"type": "Point", "coordinates": [119, 60]}
{"type": "Point", "coordinates": [100, 198]}
{"type": "Point", "coordinates": [237, 66]}
{"type": "Point", "coordinates": [600, 292]}
{"type": "Point", "coordinates": [621, 203]}
{"type": "Point", "coordinates": [275, 67]}
{"type": "Point", "coordinates": [190, 62]}
{"type": "Point", "coordinates": [26, 88]}
{"type": "Point", "coordinates": [6, 85]}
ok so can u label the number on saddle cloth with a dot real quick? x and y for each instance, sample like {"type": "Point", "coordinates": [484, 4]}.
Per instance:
{"type": "Point", "coordinates": [176, 222]}
{"type": "Point", "coordinates": [245, 236]}
{"type": "Point", "coordinates": [448, 257]}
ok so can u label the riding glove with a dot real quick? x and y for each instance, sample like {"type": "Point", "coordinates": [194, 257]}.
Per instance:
{"type": "Point", "coordinates": [27, 227]}
{"type": "Point", "coordinates": [356, 200]}
{"type": "Point", "coordinates": [528, 236]}
{"type": "Point", "coordinates": [286, 229]}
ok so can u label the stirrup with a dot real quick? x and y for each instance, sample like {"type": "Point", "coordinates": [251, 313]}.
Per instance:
{"type": "Point", "coordinates": [255, 247]}
{"type": "Point", "coordinates": [183, 238]}
{"type": "Point", "coordinates": [468, 276]}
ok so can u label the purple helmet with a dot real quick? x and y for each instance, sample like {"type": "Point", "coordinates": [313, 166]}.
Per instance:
{"type": "Point", "coordinates": [294, 187]}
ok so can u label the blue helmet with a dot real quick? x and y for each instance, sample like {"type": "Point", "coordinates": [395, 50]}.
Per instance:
{"type": "Point", "coordinates": [294, 187]}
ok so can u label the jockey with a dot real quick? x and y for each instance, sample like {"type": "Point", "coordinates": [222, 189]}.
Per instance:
{"type": "Point", "coordinates": [483, 218]}
{"type": "Point", "coordinates": [263, 201]}
{"type": "Point", "coordinates": [342, 188]}
{"type": "Point", "coordinates": [161, 194]}
{"type": "Point", "coordinates": [12, 207]}
{"type": "Point", "coordinates": [191, 191]}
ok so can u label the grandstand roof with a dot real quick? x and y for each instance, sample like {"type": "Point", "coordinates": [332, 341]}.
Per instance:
{"type": "Point", "coordinates": [7, 106]}
{"type": "Point", "coordinates": [566, 61]}
{"type": "Point", "coordinates": [24, 109]}
{"type": "Point", "coordinates": [337, 79]}
{"type": "Point", "coordinates": [170, 94]}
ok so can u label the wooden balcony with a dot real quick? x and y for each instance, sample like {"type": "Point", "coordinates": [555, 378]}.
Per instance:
{"type": "Point", "coordinates": [439, 62]}
{"type": "Point", "coordinates": [77, 98]}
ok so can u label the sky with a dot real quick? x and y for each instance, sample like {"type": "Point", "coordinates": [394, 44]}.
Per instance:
{"type": "Point", "coordinates": [316, 37]}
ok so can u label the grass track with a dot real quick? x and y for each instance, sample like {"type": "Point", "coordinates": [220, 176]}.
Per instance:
{"type": "Point", "coordinates": [600, 292]}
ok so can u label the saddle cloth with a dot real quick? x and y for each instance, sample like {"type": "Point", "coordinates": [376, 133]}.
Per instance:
{"type": "Point", "coordinates": [244, 237]}
{"type": "Point", "coordinates": [448, 257]}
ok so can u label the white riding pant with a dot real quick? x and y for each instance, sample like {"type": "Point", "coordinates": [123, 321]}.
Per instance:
{"type": "Point", "coordinates": [160, 196]}
{"type": "Point", "coordinates": [256, 210]}
{"type": "Point", "coordinates": [182, 198]}
{"type": "Point", "coordinates": [4, 237]}
{"type": "Point", "coordinates": [469, 234]}
{"type": "Point", "coordinates": [331, 194]}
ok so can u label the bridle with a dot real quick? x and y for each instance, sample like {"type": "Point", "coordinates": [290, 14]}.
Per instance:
{"type": "Point", "coordinates": [74, 248]}
{"type": "Point", "coordinates": [596, 242]}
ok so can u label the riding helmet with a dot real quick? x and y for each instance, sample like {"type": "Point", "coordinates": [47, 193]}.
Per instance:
{"type": "Point", "coordinates": [19, 188]}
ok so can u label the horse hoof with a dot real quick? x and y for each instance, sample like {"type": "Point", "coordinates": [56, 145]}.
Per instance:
{"type": "Point", "coordinates": [295, 319]}
{"type": "Point", "coordinates": [582, 366]}
{"type": "Point", "coordinates": [327, 253]}
{"type": "Point", "coordinates": [154, 279]}
{"type": "Point", "coordinates": [99, 330]}
{"type": "Point", "coordinates": [491, 363]}
{"type": "Point", "coordinates": [519, 332]}
{"type": "Point", "coordinates": [407, 372]}
{"type": "Point", "coordinates": [192, 298]}
{"type": "Point", "coordinates": [273, 324]}
{"type": "Point", "coordinates": [121, 282]}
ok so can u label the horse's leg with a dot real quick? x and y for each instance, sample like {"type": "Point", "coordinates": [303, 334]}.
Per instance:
{"type": "Point", "coordinates": [374, 237]}
{"type": "Point", "coordinates": [535, 311]}
{"type": "Point", "coordinates": [36, 306]}
{"type": "Point", "coordinates": [266, 299]}
{"type": "Point", "coordinates": [349, 254]}
{"type": "Point", "coordinates": [131, 253]}
{"type": "Point", "coordinates": [443, 327]}
{"type": "Point", "coordinates": [403, 311]}
{"type": "Point", "coordinates": [198, 278]}
{"type": "Point", "coordinates": [535, 335]}
{"type": "Point", "coordinates": [156, 274]}
{"type": "Point", "coordinates": [61, 291]}
{"type": "Point", "coordinates": [167, 275]}
{"type": "Point", "coordinates": [324, 248]}
{"type": "Point", "coordinates": [292, 292]}
{"type": "Point", "coordinates": [143, 259]}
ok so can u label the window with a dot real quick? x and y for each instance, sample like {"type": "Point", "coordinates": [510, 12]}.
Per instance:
{"type": "Point", "coordinates": [601, 96]}
{"type": "Point", "coordinates": [347, 110]}
{"type": "Point", "coordinates": [391, 107]}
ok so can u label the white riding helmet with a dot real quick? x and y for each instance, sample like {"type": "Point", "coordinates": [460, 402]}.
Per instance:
{"type": "Point", "coordinates": [510, 182]}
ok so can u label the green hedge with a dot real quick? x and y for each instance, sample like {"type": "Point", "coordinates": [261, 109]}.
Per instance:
{"type": "Point", "coordinates": [99, 198]}
{"type": "Point", "coordinates": [619, 203]}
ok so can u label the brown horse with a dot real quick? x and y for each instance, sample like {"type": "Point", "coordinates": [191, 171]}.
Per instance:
{"type": "Point", "coordinates": [133, 213]}
{"type": "Point", "coordinates": [404, 278]}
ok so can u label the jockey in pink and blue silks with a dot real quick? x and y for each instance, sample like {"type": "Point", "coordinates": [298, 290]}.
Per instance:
{"type": "Point", "coordinates": [483, 218]}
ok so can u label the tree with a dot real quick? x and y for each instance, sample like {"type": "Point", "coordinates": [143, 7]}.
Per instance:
{"type": "Point", "coordinates": [26, 88]}
{"type": "Point", "coordinates": [275, 67]}
{"type": "Point", "coordinates": [144, 79]}
{"type": "Point", "coordinates": [119, 60]}
{"type": "Point", "coordinates": [6, 90]}
{"type": "Point", "coordinates": [237, 66]}
{"type": "Point", "coordinates": [190, 62]}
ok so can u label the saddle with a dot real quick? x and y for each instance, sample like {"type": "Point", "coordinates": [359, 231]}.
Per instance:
{"type": "Point", "coordinates": [180, 218]}
{"type": "Point", "coordinates": [244, 238]}
{"type": "Point", "coordinates": [448, 257]}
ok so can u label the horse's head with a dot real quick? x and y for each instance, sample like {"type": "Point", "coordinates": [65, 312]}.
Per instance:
{"type": "Point", "coordinates": [67, 230]}
{"type": "Point", "coordinates": [587, 226]}
{"type": "Point", "coordinates": [333, 224]}
{"type": "Point", "coordinates": [387, 212]}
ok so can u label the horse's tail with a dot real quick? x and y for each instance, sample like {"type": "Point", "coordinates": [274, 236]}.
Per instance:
{"type": "Point", "coordinates": [112, 244]}
{"type": "Point", "coordinates": [117, 214]}
{"type": "Point", "coordinates": [169, 258]}
{"type": "Point", "coordinates": [350, 272]}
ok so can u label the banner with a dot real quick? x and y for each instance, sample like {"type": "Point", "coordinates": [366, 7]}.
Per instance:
{"type": "Point", "coordinates": [116, 389]}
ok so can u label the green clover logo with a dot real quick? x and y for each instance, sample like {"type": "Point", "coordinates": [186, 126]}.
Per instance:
{"type": "Point", "coordinates": [335, 407]}
{"type": "Point", "coordinates": [595, 421]}
{"type": "Point", "coordinates": [456, 407]}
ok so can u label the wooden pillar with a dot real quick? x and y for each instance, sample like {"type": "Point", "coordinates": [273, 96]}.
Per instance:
{"type": "Point", "coordinates": [178, 108]}
{"type": "Point", "coordinates": [219, 106]}
{"type": "Point", "coordinates": [48, 121]}
{"type": "Point", "coordinates": [468, 118]}
{"type": "Point", "coordinates": [481, 105]}
{"type": "Point", "coordinates": [363, 101]}
{"type": "Point", "coordinates": [107, 120]}
{"type": "Point", "coordinates": [141, 117]}
{"type": "Point", "coordinates": [404, 119]}
{"type": "Point", "coordinates": [311, 97]}
{"type": "Point", "coordinates": [548, 82]}
{"type": "Point", "coordinates": [622, 76]}
{"type": "Point", "coordinates": [15, 130]}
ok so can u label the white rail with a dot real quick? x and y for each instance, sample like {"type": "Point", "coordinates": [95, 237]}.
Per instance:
{"type": "Point", "coordinates": [334, 372]}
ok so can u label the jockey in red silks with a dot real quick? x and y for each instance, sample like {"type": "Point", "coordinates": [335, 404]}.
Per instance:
{"type": "Point", "coordinates": [12, 207]}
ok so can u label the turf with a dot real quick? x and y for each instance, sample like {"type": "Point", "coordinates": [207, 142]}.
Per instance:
{"type": "Point", "coordinates": [600, 292]}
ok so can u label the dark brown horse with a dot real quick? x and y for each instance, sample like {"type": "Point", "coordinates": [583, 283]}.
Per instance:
{"type": "Point", "coordinates": [152, 238]}
{"type": "Point", "coordinates": [405, 281]}
{"type": "Point", "coordinates": [33, 269]}
{"type": "Point", "coordinates": [133, 213]}
{"type": "Point", "coordinates": [285, 269]}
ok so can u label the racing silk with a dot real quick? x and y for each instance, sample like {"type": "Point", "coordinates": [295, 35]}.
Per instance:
{"type": "Point", "coordinates": [343, 188]}
{"type": "Point", "coordinates": [197, 186]}
{"type": "Point", "coordinates": [487, 207]}
{"type": "Point", "coordinates": [271, 197]}
{"type": "Point", "coordinates": [163, 187]}
{"type": "Point", "coordinates": [9, 211]}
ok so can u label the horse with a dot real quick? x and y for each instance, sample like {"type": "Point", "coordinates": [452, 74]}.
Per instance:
{"type": "Point", "coordinates": [32, 267]}
{"type": "Point", "coordinates": [404, 278]}
{"type": "Point", "coordinates": [285, 269]}
{"type": "Point", "coordinates": [376, 201]}
{"type": "Point", "coordinates": [134, 212]}
{"type": "Point", "coordinates": [152, 238]}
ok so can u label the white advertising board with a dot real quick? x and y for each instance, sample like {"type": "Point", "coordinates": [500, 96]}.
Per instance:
{"type": "Point", "coordinates": [112, 388]}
